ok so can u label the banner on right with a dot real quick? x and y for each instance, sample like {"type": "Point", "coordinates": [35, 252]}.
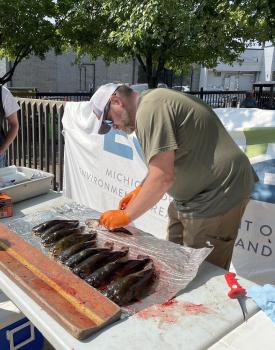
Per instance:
{"type": "Point", "coordinates": [254, 131]}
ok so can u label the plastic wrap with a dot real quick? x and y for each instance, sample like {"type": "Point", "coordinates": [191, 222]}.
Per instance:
{"type": "Point", "coordinates": [176, 266]}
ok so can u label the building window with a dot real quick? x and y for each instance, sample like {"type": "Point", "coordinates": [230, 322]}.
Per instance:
{"type": "Point", "coordinates": [217, 74]}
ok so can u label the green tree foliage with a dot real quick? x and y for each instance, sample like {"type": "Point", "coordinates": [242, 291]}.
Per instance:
{"type": "Point", "coordinates": [259, 18]}
{"type": "Point", "coordinates": [171, 34]}
{"type": "Point", "coordinates": [26, 28]}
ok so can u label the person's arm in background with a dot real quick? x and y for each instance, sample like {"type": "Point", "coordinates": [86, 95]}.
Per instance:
{"type": "Point", "coordinates": [13, 126]}
{"type": "Point", "coordinates": [159, 179]}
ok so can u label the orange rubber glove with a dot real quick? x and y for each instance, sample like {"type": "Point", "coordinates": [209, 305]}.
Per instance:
{"type": "Point", "coordinates": [129, 198]}
{"type": "Point", "coordinates": [114, 219]}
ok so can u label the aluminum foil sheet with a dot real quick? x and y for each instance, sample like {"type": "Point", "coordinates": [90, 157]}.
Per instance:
{"type": "Point", "coordinates": [176, 266]}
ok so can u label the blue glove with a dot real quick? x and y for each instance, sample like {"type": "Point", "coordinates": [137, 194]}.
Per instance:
{"type": "Point", "coordinates": [264, 297]}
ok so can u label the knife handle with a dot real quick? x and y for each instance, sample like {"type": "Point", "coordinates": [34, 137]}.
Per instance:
{"type": "Point", "coordinates": [235, 289]}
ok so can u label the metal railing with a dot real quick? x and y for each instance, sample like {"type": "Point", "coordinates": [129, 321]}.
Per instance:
{"type": "Point", "coordinates": [40, 143]}
{"type": "Point", "coordinates": [220, 99]}
{"type": "Point", "coordinates": [56, 96]}
{"type": "Point", "coordinates": [265, 94]}
{"type": "Point", "coordinates": [64, 96]}
{"type": "Point", "coordinates": [215, 99]}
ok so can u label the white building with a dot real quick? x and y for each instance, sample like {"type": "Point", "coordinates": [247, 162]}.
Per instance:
{"type": "Point", "coordinates": [254, 65]}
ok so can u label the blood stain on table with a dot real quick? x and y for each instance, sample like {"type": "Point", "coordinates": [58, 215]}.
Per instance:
{"type": "Point", "coordinates": [171, 311]}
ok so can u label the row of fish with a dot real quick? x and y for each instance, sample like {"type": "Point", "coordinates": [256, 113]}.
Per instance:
{"type": "Point", "coordinates": [121, 279]}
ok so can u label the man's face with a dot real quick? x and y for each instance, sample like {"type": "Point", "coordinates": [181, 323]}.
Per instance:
{"type": "Point", "coordinates": [120, 116]}
{"type": "Point", "coordinates": [126, 123]}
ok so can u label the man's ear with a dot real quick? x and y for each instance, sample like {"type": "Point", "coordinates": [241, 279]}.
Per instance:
{"type": "Point", "coordinates": [116, 100]}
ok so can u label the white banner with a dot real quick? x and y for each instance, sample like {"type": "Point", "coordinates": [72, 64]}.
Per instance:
{"type": "Point", "coordinates": [255, 246]}
{"type": "Point", "coordinates": [100, 170]}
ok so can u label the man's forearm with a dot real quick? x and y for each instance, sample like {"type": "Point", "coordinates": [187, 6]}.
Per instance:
{"type": "Point", "coordinates": [153, 189]}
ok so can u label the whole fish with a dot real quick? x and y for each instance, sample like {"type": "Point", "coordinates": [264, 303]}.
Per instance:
{"type": "Point", "coordinates": [59, 226]}
{"type": "Point", "coordinates": [131, 288]}
{"type": "Point", "coordinates": [92, 263]}
{"type": "Point", "coordinates": [113, 270]}
{"type": "Point", "coordinates": [57, 235]}
{"type": "Point", "coordinates": [94, 224]}
{"type": "Point", "coordinates": [67, 253]}
{"type": "Point", "coordinates": [69, 241]}
{"type": "Point", "coordinates": [77, 258]}
{"type": "Point", "coordinates": [40, 228]}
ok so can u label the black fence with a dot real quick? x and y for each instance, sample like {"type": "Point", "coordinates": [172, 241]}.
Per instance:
{"type": "Point", "coordinates": [220, 99]}
{"type": "Point", "coordinates": [55, 96]}
{"type": "Point", "coordinates": [265, 95]}
{"type": "Point", "coordinates": [215, 99]}
{"type": "Point", "coordinates": [64, 96]}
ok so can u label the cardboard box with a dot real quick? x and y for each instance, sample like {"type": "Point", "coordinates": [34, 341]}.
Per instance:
{"type": "Point", "coordinates": [5, 206]}
{"type": "Point", "coordinates": [16, 331]}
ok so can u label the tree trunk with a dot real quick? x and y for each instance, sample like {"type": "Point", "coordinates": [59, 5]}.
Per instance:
{"type": "Point", "coordinates": [22, 53]}
{"type": "Point", "coordinates": [152, 82]}
{"type": "Point", "coordinates": [152, 75]}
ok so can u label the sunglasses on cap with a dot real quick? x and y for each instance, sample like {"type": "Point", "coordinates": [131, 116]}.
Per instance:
{"type": "Point", "coordinates": [107, 124]}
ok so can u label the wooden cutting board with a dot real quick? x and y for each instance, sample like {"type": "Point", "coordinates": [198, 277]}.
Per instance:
{"type": "Point", "coordinates": [79, 308]}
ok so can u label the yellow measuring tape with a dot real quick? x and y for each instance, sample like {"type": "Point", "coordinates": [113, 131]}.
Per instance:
{"type": "Point", "coordinates": [72, 300]}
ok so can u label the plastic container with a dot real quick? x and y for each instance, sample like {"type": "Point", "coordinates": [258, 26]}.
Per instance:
{"type": "Point", "coordinates": [37, 183]}
{"type": "Point", "coordinates": [16, 331]}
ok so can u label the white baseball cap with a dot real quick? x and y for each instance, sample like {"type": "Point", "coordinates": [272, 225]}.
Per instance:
{"type": "Point", "coordinates": [99, 102]}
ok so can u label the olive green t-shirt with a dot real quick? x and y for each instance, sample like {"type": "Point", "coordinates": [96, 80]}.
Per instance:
{"type": "Point", "coordinates": [212, 174]}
